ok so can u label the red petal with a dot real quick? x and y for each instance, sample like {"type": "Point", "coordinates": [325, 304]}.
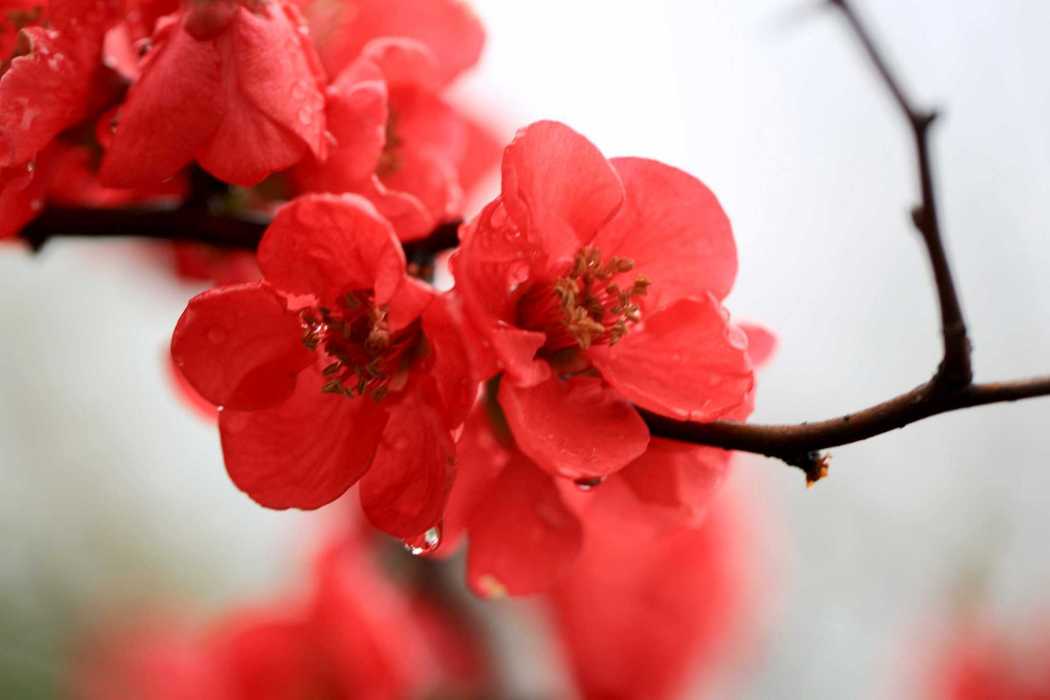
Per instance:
{"type": "Point", "coordinates": [430, 179]}
{"type": "Point", "coordinates": [480, 459]}
{"type": "Point", "coordinates": [170, 113]}
{"type": "Point", "coordinates": [447, 27]}
{"type": "Point", "coordinates": [686, 362]}
{"type": "Point", "coordinates": [409, 216]}
{"type": "Point", "coordinates": [404, 62]}
{"type": "Point", "coordinates": [522, 537]}
{"type": "Point", "coordinates": [46, 88]}
{"type": "Point", "coordinates": [305, 452]}
{"type": "Point", "coordinates": [577, 428]}
{"type": "Point", "coordinates": [274, 107]}
{"type": "Point", "coordinates": [674, 230]}
{"type": "Point", "coordinates": [760, 343]}
{"type": "Point", "coordinates": [327, 245]}
{"type": "Point", "coordinates": [239, 347]}
{"type": "Point", "coordinates": [676, 481]}
{"type": "Point", "coordinates": [356, 115]}
{"type": "Point", "coordinates": [558, 187]}
{"type": "Point", "coordinates": [404, 492]}
{"type": "Point", "coordinates": [444, 328]}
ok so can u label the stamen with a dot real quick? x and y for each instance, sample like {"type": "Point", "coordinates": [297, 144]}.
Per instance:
{"type": "Point", "coordinates": [363, 356]}
{"type": "Point", "coordinates": [586, 306]}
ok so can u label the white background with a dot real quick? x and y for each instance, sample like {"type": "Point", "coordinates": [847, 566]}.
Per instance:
{"type": "Point", "coordinates": [111, 490]}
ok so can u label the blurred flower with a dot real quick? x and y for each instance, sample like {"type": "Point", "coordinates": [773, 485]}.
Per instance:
{"type": "Point", "coordinates": [355, 635]}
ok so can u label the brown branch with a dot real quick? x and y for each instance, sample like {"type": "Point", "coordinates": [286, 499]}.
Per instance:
{"type": "Point", "coordinates": [800, 445]}
{"type": "Point", "coordinates": [955, 369]}
{"type": "Point", "coordinates": [189, 224]}
{"type": "Point", "coordinates": [951, 387]}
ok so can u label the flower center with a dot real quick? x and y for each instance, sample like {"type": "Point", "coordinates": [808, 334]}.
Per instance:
{"type": "Point", "coordinates": [588, 305]}
{"type": "Point", "coordinates": [362, 355]}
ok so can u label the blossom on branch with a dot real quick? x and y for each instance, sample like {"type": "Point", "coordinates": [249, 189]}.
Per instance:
{"type": "Point", "coordinates": [593, 285]}
{"type": "Point", "coordinates": [336, 368]}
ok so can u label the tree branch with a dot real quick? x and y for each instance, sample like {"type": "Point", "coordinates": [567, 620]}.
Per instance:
{"type": "Point", "coordinates": [951, 388]}
{"type": "Point", "coordinates": [193, 224]}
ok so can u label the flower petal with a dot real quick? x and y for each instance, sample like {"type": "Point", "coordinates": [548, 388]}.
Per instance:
{"type": "Point", "coordinates": [327, 245]}
{"type": "Point", "coordinates": [686, 362]}
{"type": "Point", "coordinates": [274, 104]}
{"type": "Point", "coordinates": [674, 230]}
{"type": "Point", "coordinates": [480, 459]}
{"type": "Point", "coordinates": [676, 481]}
{"type": "Point", "coordinates": [239, 346]}
{"type": "Point", "coordinates": [405, 491]}
{"type": "Point", "coordinates": [443, 326]}
{"type": "Point", "coordinates": [558, 187]}
{"type": "Point", "coordinates": [449, 28]}
{"type": "Point", "coordinates": [181, 81]}
{"type": "Point", "coordinates": [356, 116]}
{"type": "Point", "coordinates": [760, 343]}
{"type": "Point", "coordinates": [577, 428]}
{"type": "Point", "coordinates": [305, 452]}
{"type": "Point", "coordinates": [523, 538]}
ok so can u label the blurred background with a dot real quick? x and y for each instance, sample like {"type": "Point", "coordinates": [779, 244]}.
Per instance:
{"type": "Point", "coordinates": [114, 494]}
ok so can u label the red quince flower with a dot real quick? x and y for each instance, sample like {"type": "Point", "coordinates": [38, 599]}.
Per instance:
{"type": "Point", "coordinates": [978, 664]}
{"type": "Point", "coordinates": [353, 635]}
{"type": "Point", "coordinates": [46, 85]}
{"type": "Point", "coordinates": [336, 368]}
{"type": "Point", "coordinates": [594, 285]}
{"type": "Point", "coordinates": [234, 85]}
{"type": "Point", "coordinates": [646, 618]}
{"type": "Point", "coordinates": [397, 141]}
{"type": "Point", "coordinates": [448, 29]}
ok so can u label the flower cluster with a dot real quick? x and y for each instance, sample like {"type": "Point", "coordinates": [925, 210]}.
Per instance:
{"type": "Point", "coordinates": [106, 103]}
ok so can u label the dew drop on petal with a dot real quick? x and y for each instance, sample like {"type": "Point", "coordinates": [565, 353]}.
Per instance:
{"type": "Point", "coordinates": [36, 205]}
{"type": "Point", "coordinates": [588, 483]}
{"type": "Point", "coordinates": [306, 116]}
{"type": "Point", "coordinates": [427, 542]}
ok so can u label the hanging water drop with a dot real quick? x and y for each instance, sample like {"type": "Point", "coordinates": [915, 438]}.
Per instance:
{"type": "Point", "coordinates": [422, 544]}
{"type": "Point", "coordinates": [588, 483]}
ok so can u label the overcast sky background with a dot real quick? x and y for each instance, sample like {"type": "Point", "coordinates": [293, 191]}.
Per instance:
{"type": "Point", "coordinates": [109, 483]}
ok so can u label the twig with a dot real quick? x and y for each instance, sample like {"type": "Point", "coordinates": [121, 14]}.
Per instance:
{"type": "Point", "coordinates": [195, 224]}
{"type": "Point", "coordinates": [951, 387]}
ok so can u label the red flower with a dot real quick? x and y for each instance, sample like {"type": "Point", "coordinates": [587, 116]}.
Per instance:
{"type": "Point", "coordinates": [396, 140]}
{"type": "Point", "coordinates": [594, 285]}
{"type": "Point", "coordinates": [448, 29]}
{"type": "Point", "coordinates": [235, 86]}
{"type": "Point", "coordinates": [46, 86]}
{"type": "Point", "coordinates": [642, 617]}
{"type": "Point", "coordinates": [336, 368]}
{"type": "Point", "coordinates": [354, 635]}
{"type": "Point", "coordinates": [977, 664]}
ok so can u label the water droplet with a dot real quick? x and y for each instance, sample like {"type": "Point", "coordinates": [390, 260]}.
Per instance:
{"type": "Point", "coordinates": [427, 542]}
{"type": "Point", "coordinates": [217, 335]}
{"type": "Point", "coordinates": [113, 124]}
{"type": "Point", "coordinates": [36, 205]}
{"type": "Point", "coordinates": [588, 483]}
{"type": "Point", "coordinates": [30, 167]}
{"type": "Point", "coordinates": [330, 138]}
{"type": "Point", "coordinates": [306, 116]}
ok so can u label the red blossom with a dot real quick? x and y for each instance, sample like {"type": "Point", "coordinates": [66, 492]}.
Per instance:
{"type": "Point", "coordinates": [354, 635]}
{"type": "Point", "coordinates": [593, 285]}
{"type": "Point", "coordinates": [395, 140]}
{"type": "Point", "coordinates": [336, 368]}
{"type": "Point", "coordinates": [236, 87]}
{"type": "Point", "coordinates": [978, 664]}
{"type": "Point", "coordinates": [643, 617]}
